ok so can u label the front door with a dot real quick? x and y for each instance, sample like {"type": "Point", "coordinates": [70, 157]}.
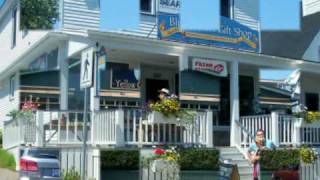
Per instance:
{"type": "Point", "coordinates": [152, 88]}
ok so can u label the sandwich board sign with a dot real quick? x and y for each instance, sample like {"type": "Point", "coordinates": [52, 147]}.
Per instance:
{"type": "Point", "coordinates": [86, 77]}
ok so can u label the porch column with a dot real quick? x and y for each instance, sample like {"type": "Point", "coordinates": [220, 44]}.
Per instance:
{"type": "Point", "coordinates": [94, 101]}
{"type": "Point", "coordinates": [234, 102]}
{"type": "Point", "coordinates": [64, 75]}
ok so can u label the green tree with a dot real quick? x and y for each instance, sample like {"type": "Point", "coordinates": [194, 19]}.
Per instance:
{"type": "Point", "coordinates": [38, 14]}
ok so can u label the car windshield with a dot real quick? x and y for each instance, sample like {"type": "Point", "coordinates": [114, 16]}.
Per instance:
{"type": "Point", "coordinates": [51, 154]}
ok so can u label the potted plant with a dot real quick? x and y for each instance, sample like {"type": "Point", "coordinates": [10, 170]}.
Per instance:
{"type": "Point", "coordinates": [168, 111]}
{"type": "Point", "coordinates": [163, 163]}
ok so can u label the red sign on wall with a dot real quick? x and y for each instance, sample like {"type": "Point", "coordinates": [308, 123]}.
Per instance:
{"type": "Point", "coordinates": [212, 67]}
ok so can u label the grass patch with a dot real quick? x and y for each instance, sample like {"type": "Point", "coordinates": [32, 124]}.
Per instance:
{"type": "Point", "coordinates": [7, 160]}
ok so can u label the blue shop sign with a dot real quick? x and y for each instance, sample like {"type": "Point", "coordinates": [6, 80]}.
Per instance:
{"type": "Point", "coordinates": [232, 34]}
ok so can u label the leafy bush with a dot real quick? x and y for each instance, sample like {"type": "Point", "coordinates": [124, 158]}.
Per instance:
{"type": "Point", "coordinates": [120, 159]}
{"type": "Point", "coordinates": [71, 174]}
{"type": "Point", "coordinates": [199, 159]}
{"type": "Point", "coordinates": [7, 160]}
{"type": "Point", "coordinates": [190, 159]}
{"type": "Point", "coordinates": [275, 159]}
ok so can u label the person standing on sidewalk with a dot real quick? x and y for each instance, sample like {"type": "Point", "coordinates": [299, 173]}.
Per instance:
{"type": "Point", "coordinates": [255, 149]}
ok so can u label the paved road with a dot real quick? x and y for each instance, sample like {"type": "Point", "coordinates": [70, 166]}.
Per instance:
{"type": "Point", "coordinates": [8, 175]}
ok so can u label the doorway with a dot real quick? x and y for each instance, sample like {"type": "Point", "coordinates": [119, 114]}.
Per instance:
{"type": "Point", "coordinates": [152, 88]}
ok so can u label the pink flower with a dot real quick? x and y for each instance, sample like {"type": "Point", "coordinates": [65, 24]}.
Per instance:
{"type": "Point", "coordinates": [159, 151]}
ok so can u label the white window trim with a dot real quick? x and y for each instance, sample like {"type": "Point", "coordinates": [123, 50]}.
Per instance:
{"type": "Point", "coordinates": [14, 17]}
{"type": "Point", "coordinates": [153, 8]}
{"type": "Point", "coordinates": [12, 84]}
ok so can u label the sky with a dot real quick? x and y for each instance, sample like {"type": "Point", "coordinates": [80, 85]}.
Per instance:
{"type": "Point", "coordinates": [275, 14]}
{"type": "Point", "coordinates": [272, 74]}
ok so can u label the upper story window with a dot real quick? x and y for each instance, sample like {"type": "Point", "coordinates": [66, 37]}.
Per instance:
{"type": "Point", "coordinates": [11, 87]}
{"type": "Point", "coordinates": [312, 101]}
{"type": "Point", "coordinates": [225, 8]}
{"type": "Point", "coordinates": [14, 27]}
{"type": "Point", "coordinates": [146, 6]}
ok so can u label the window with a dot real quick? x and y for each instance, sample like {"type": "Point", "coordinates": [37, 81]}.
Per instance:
{"type": "Point", "coordinates": [14, 27]}
{"type": "Point", "coordinates": [225, 8]}
{"type": "Point", "coordinates": [145, 5]}
{"type": "Point", "coordinates": [11, 87]}
{"type": "Point", "coordinates": [312, 101]}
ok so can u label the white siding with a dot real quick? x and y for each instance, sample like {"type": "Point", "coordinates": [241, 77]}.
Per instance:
{"type": "Point", "coordinates": [81, 14]}
{"type": "Point", "coordinates": [9, 54]}
{"type": "Point", "coordinates": [8, 104]}
{"type": "Point", "coordinates": [313, 51]}
{"type": "Point", "coordinates": [310, 7]}
{"type": "Point", "coordinates": [247, 12]}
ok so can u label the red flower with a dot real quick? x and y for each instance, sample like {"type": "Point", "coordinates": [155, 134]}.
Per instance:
{"type": "Point", "coordinates": [159, 151]}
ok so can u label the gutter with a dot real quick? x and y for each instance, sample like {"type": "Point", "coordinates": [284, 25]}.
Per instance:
{"type": "Point", "coordinates": [180, 48]}
{"type": "Point", "coordinates": [15, 64]}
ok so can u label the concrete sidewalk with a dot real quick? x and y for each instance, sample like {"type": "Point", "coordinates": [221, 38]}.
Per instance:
{"type": "Point", "coordinates": [6, 174]}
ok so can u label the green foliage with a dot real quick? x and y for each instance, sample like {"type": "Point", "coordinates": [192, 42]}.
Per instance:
{"type": "Point", "coordinates": [71, 174]}
{"type": "Point", "coordinates": [275, 159]}
{"type": "Point", "coordinates": [199, 159]}
{"type": "Point", "coordinates": [38, 14]}
{"type": "Point", "coordinates": [168, 107]}
{"type": "Point", "coordinates": [7, 160]}
{"type": "Point", "coordinates": [308, 155]}
{"type": "Point", "coordinates": [308, 116]}
{"type": "Point", "coordinates": [190, 159]}
{"type": "Point", "coordinates": [120, 159]}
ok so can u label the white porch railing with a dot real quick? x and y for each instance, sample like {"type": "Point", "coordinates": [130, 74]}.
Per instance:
{"type": "Point", "coordinates": [18, 131]}
{"type": "Point", "coordinates": [283, 130]}
{"type": "Point", "coordinates": [130, 127]}
{"type": "Point", "coordinates": [111, 127]}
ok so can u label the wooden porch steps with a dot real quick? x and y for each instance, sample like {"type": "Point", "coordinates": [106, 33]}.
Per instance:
{"type": "Point", "coordinates": [244, 167]}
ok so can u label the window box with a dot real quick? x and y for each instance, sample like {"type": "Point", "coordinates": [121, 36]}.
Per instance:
{"type": "Point", "coordinates": [156, 117]}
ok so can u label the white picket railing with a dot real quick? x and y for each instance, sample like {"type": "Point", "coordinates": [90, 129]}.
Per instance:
{"type": "Point", "coordinates": [19, 131]}
{"type": "Point", "coordinates": [283, 130]}
{"type": "Point", "coordinates": [62, 127]}
{"type": "Point", "coordinates": [130, 126]}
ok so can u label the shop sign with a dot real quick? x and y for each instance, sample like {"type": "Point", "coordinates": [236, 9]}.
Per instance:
{"type": "Point", "coordinates": [169, 6]}
{"type": "Point", "coordinates": [86, 78]}
{"type": "Point", "coordinates": [124, 79]}
{"type": "Point", "coordinates": [232, 34]}
{"type": "Point", "coordinates": [212, 67]}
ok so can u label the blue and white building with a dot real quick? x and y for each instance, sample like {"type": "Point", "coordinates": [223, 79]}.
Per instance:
{"type": "Point", "coordinates": [215, 74]}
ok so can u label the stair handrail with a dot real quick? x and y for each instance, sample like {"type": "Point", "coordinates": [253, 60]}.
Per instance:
{"type": "Point", "coordinates": [245, 138]}
{"type": "Point", "coordinates": [154, 26]}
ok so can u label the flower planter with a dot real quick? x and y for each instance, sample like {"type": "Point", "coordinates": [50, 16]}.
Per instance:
{"type": "Point", "coordinates": [161, 169]}
{"type": "Point", "coordinates": [156, 117]}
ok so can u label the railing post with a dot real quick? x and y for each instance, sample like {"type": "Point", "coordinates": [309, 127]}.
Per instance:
{"type": "Point", "coordinates": [39, 129]}
{"type": "Point", "coordinates": [296, 131]}
{"type": "Point", "coordinates": [275, 128]}
{"type": "Point", "coordinates": [209, 130]}
{"type": "Point", "coordinates": [119, 127]}
{"type": "Point", "coordinates": [93, 128]}
{"type": "Point", "coordinates": [96, 163]}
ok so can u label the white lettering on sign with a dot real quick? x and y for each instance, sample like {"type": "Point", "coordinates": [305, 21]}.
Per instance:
{"type": "Point", "coordinates": [218, 68]}
{"type": "Point", "coordinates": [125, 84]}
{"type": "Point", "coordinates": [169, 6]}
